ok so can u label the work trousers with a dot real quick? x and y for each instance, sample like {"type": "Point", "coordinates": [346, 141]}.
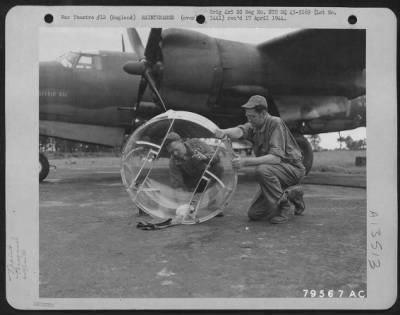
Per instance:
{"type": "Point", "coordinates": [273, 180]}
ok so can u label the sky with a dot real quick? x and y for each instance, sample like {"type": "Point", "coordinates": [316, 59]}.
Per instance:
{"type": "Point", "coordinates": [56, 41]}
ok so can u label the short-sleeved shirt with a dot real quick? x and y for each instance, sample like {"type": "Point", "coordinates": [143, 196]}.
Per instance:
{"type": "Point", "coordinates": [275, 138]}
{"type": "Point", "coordinates": [188, 171]}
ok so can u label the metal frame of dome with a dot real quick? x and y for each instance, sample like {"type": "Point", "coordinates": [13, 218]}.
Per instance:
{"type": "Point", "coordinates": [199, 125]}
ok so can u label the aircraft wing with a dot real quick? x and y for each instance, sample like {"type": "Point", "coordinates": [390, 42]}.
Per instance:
{"type": "Point", "coordinates": [334, 55]}
{"type": "Point", "coordinates": [332, 49]}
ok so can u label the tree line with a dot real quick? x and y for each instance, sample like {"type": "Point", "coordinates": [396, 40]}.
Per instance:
{"type": "Point", "coordinates": [50, 144]}
{"type": "Point", "coordinates": [344, 143]}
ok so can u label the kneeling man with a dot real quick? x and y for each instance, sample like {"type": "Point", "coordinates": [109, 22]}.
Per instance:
{"type": "Point", "coordinates": [189, 160]}
{"type": "Point", "coordinates": [278, 162]}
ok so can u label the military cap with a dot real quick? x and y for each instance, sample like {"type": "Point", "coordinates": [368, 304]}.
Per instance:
{"type": "Point", "coordinates": [256, 100]}
{"type": "Point", "coordinates": [172, 136]}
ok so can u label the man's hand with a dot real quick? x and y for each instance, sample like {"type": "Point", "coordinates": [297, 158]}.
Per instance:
{"type": "Point", "coordinates": [220, 134]}
{"type": "Point", "coordinates": [238, 163]}
{"type": "Point", "coordinates": [199, 156]}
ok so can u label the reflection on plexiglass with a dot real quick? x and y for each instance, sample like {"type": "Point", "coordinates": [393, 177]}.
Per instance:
{"type": "Point", "coordinates": [191, 181]}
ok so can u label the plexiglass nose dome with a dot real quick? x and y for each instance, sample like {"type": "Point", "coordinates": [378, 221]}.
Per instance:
{"type": "Point", "coordinates": [174, 167]}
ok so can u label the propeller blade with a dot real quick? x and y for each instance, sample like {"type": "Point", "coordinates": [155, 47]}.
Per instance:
{"type": "Point", "coordinates": [151, 81]}
{"type": "Point", "coordinates": [123, 43]}
{"type": "Point", "coordinates": [148, 58]}
{"type": "Point", "coordinates": [136, 42]}
{"type": "Point", "coordinates": [153, 45]}
{"type": "Point", "coordinates": [142, 88]}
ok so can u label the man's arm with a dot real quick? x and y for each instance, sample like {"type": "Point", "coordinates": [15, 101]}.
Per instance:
{"type": "Point", "coordinates": [264, 159]}
{"type": "Point", "coordinates": [271, 159]}
{"type": "Point", "coordinates": [176, 178]}
{"type": "Point", "coordinates": [233, 133]}
{"type": "Point", "coordinates": [202, 151]}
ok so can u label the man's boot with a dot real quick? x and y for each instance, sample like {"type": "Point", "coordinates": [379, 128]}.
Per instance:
{"type": "Point", "coordinates": [295, 195]}
{"type": "Point", "coordinates": [283, 216]}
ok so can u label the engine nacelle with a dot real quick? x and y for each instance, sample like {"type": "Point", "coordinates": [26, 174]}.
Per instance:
{"type": "Point", "coordinates": [190, 74]}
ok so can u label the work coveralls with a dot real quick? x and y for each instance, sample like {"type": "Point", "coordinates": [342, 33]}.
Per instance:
{"type": "Point", "coordinates": [273, 138]}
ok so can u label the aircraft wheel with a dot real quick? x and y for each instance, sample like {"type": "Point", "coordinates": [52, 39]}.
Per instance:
{"type": "Point", "coordinates": [306, 149]}
{"type": "Point", "coordinates": [44, 167]}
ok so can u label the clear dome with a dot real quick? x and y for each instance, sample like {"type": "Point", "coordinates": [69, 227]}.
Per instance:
{"type": "Point", "coordinates": [192, 187]}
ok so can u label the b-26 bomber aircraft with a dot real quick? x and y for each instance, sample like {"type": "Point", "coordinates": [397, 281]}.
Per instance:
{"type": "Point", "coordinates": [314, 79]}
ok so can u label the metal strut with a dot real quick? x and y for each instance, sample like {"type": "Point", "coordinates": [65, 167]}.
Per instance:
{"type": "Point", "coordinates": [207, 176]}
{"type": "Point", "coordinates": [151, 156]}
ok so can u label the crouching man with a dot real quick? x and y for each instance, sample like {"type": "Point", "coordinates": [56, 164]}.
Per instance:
{"type": "Point", "coordinates": [278, 162]}
{"type": "Point", "coordinates": [189, 159]}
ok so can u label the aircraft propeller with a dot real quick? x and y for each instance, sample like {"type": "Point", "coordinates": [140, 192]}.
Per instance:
{"type": "Point", "coordinates": [147, 60]}
{"type": "Point", "coordinates": [123, 43]}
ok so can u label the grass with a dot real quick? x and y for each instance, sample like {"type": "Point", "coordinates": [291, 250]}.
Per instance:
{"type": "Point", "coordinates": [338, 161]}
{"type": "Point", "coordinates": [66, 155]}
{"type": "Point", "coordinates": [325, 161]}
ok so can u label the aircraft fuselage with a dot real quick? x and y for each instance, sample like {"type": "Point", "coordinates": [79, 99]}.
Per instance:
{"type": "Point", "coordinates": [310, 90]}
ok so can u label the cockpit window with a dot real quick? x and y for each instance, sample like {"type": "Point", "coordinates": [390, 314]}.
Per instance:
{"type": "Point", "coordinates": [80, 61]}
{"type": "Point", "coordinates": [68, 60]}
{"type": "Point", "coordinates": [84, 62]}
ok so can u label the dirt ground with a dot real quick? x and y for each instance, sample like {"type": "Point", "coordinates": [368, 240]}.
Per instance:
{"type": "Point", "coordinates": [90, 246]}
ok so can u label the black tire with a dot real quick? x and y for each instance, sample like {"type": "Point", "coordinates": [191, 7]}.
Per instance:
{"type": "Point", "coordinates": [306, 149]}
{"type": "Point", "coordinates": [44, 167]}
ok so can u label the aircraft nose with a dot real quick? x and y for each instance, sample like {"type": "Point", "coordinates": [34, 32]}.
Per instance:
{"type": "Point", "coordinates": [52, 74]}
{"type": "Point", "coordinates": [46, 67]}
{"type": "Point", "coordinates": [47, 71]}
{"type": "Point", "coordinates": [46, 74]}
